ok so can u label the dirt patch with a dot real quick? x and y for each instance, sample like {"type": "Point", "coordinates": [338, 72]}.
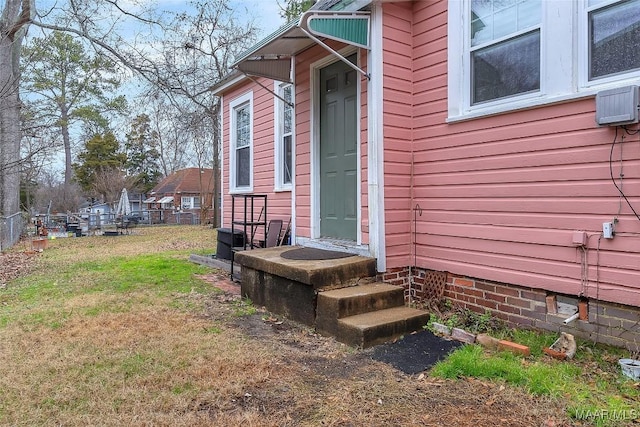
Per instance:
{"type": "Point", "coordinates": [222, 282]}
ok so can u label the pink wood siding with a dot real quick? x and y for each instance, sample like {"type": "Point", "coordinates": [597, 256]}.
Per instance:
{"type": "Point", "coordinates": [503, 195]}
{"type": "Point", "coordinates": [278, 203]}
{"type": "Point", "coordinates": [398, 130]}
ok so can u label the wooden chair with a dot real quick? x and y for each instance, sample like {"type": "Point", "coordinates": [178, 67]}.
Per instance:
{"type": "Point", "coordinates": [273, 233]}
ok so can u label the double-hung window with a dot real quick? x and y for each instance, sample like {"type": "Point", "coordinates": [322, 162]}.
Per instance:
{"type": "Point", "coordinates": [284, 137]}
{"type": "Point", "coordinates": [241, 153]}
{"type": "Point", "coordinates": [504, 48]}
{"type": "Point", "coordinates": [505, 55]}
{"type": "Point", "coordinates": [613, 37]}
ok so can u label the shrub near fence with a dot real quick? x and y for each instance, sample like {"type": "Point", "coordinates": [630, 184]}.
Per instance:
{"type": "Point", "coordinates": [10, 230]}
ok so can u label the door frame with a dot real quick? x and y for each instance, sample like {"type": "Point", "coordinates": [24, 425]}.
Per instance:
{"type": "Point", "coordinates": [315, 145]}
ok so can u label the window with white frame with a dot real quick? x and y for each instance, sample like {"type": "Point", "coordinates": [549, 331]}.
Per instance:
{"type": "Point", "coordinates": [514, 54]}
{"type": "Point", "coordinates": [284, 137]}
{"type": "Point", "coordinates": [189, 202]}
{"type": "Point", "coordinates": [241, 152]}
{"type": "Point", "coordinates": [614, 37]}
{"type": "Point", "coordinates": [504, 48]}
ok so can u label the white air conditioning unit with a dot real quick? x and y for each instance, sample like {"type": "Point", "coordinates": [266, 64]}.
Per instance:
{"type": "Point", "coordinates": [615, 107]}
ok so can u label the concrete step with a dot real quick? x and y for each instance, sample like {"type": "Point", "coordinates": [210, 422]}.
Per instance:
{"type": "Point", "coordinates": [316, 274]}
{"type": "Point", "coordinates": [376, 327]}
{"type": "Point", "coordinates": [339, 303]}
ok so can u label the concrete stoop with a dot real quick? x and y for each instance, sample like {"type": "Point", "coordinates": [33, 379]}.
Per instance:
{"type": "Point", "coordinates": [367, 315]}
{"type": "Point", "coordinates": [334, 296]}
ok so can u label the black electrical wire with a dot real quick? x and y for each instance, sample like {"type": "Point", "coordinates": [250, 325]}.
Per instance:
{"type": "Point", "coordinates": [615, 138]}
{"type": "Point", "coordinates": [631, 132]}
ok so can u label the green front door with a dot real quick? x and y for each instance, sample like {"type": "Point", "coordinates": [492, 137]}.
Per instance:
{"type": "Point", "coordinates": [338, 151]}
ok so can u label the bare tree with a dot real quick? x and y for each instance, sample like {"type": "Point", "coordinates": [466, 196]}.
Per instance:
{"type": "Point", "coordinates": [14, 21]}
{"type": "Point", "coordinates": [109, 183]}
{"type": "Point", "coordinates": [197, 52]}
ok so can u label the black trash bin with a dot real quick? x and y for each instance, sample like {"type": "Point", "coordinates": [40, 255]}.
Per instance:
{"type": "Point", "coordinates": [227, 240]}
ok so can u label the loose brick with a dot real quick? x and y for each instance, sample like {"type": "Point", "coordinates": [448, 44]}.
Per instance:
{"type": "Point", "coordinates": [514, 348]}
{"type": "Point", "coordinates": [552, 304]}
{"type": "Point", "coordinates": [555, 354]}
{"type": "Point", "coordinates": [463, 336]}
{"type": "Point", "coordinates": [441, 329]}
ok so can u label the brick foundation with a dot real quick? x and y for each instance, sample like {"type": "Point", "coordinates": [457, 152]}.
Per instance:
{"type": "Point", "coordinates": [608, 323]}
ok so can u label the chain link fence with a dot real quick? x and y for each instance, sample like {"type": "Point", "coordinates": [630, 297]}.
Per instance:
{"type": "Point", "coordinates": [11, 228]}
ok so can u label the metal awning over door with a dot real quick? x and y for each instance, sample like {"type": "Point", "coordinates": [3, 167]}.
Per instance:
{"type": "Point", "coordinates": [272, 57]}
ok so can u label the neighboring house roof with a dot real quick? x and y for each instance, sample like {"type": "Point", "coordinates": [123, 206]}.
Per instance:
{"type": "Point", "coordinates": [186, 181]}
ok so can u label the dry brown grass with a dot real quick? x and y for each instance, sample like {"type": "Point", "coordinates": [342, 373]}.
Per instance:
{"type": "Point", "coordinates": [189, 359]}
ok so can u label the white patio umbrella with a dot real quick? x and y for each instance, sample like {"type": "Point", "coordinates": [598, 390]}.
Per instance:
{"type": "Point", "coordinates": [124, 207]}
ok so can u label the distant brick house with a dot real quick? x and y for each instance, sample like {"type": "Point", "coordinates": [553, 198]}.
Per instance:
{"type": "Point", "coordinates": [184, 197]}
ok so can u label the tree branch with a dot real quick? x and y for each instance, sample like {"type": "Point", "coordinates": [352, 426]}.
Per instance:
{"type": "Point", "coordinates": [24, 19]}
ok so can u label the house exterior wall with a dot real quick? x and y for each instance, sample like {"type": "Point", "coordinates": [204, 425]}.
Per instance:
{"type": "Point", "coordinates": [397, 36]}
{"type": "Point", "coordinates": [492, 205]}
{"type": "Point", "coordinates": [502, 196]}
{"type": "Point", "coordinates": [278, 202]}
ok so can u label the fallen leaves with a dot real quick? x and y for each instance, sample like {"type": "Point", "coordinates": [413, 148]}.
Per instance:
{"type": "Point", "coordinates": [14, 265]}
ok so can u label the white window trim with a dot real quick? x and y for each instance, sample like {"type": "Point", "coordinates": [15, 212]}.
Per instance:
{"type": "Point", "coordinates": [618, 80]}
{"type": "Point", "coordinates": [278, 154]}
{"type": "Point", "coordinates": [564, 60]}
{"type": "Point", "coordinates": [241, 101]}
